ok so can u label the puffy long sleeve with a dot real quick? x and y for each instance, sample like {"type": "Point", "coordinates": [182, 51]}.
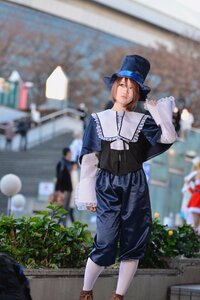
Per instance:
{"type": "Point", "coordinates": [162, 114]}
{"type": "Point", "coordinates": [86, 194]}
{"type": "Point", "coordinates": [91, 141]}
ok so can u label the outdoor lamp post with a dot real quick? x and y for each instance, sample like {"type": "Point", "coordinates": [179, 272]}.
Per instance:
{"type": "Point", "coordinates": [57, 86]}
{"type": "Point", "coordinates": [10, 185]}
{"type": "Point", "coordinates": [14, 80]}
{"type": "Point", "coordinates": [18, 202]}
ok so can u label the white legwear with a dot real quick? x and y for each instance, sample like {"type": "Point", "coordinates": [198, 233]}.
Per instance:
{"type": "Point", "coordinates": [127, 271]}
{"type": "Point", "coordinates": [92, 272]}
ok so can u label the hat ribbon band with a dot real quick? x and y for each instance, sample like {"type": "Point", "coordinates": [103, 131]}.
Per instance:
{"type": "Point", "coordinates": [132, 75]}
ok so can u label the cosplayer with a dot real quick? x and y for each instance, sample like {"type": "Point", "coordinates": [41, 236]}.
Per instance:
{"type": "Point", "coordinates": [112, 182]}
{"type": "Point", "coordinates": [194, 201]}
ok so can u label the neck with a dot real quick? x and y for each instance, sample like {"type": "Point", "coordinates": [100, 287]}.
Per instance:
{"type": "Point", "coordinates": [117, 107]}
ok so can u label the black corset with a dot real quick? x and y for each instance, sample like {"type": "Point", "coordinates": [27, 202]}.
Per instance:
{"type": "Point", "coordinates": [120, 162]}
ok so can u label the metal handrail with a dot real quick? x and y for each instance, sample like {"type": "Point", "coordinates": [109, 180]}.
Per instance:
{"type": "Point", "coordinates": [2, 127]}
{"type": "Point", "coordinates": [60, 113]}
{"type": "Point", "coordinates": [54, 115]}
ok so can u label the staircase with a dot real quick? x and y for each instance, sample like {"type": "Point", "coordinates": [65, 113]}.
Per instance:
{"type": "Point", "coordinates": [185, 292]}
{"type": "Point", "coordinates": [33, 166]}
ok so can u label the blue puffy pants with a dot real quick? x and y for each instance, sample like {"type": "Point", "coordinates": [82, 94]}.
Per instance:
{"type": "Point", "coordinates": [123, 217]}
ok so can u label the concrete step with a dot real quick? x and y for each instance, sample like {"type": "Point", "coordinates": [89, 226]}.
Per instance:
{"type": "Point", "coordinates": [33, 166]}
{"type": "Point", "coordinates": [185, 292]}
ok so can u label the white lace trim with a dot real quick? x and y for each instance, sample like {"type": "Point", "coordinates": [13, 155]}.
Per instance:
{"type": "Point", "coordinates": [100, 131]}
{"type": "Point", "coordinates": [165, 99]}
{"type": "Point", "coordinates": [118, 137]}
{"type": "Point", "coordinates": [83, 206]}
{"type": "Point", "coordinates": [136, 135]}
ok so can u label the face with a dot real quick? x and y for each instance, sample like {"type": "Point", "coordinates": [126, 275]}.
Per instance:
{"type": "Point", "coordinates": [127, 93]}
{"type": "Point", "coordinates": [68, 155]}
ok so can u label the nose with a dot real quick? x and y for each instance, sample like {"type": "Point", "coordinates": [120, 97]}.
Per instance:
{"type": "Point", "coordinates": [127, 90]}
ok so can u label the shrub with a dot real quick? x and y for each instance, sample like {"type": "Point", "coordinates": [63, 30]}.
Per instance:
{"type": "Point", "coordinates": [165, 244]}
{"type": "Point", "coordinates": [39, 241]}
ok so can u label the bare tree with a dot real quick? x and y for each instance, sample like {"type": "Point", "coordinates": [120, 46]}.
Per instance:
{"type": "Point", "coordinates": [36, 53]}
{"type": "Point", "coordinates": [174, 72]}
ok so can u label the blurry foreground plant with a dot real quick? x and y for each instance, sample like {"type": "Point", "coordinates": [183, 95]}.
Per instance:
{"type": "Point", "coordinates": [39, 241]}
{"type": "Point", "coordinates": [165, 244]}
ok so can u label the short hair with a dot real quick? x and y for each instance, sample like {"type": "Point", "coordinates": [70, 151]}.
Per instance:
{"type": "Point", "coordinates": [130, 106]}
{"type": "Point", "coordinates": [66, 150]}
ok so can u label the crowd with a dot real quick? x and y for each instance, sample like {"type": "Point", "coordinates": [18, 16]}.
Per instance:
{"type": "Point", "coordinates": [20, 127]}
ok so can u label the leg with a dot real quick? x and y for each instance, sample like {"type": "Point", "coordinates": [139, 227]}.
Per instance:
{"type": "Point", "coordinates": [25, 142]}
{"type": "Point", "coordinates": [21, 142]}
{"type": "Point", "coordinates": [108, 222]}
{"type": "Point", "coordinates": [195, 219]}
{"type": "Point", "coordinates": [92, 272]}
{"type": "Point", "coordinates": [196, 222]}
{"type": "Point", "coordinates": [66, 201]}
{"type": "Point", "coordinates": [71, 214]}
{"type": "Point", "coordinates": [135, 219]}
{"type": "Point", "coordinates": [126, 273]}
{"type": "Point", "coordinates": [135, 229]}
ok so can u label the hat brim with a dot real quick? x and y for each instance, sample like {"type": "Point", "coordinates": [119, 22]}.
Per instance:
{"type": "Point", "coordinates": [144, 89]}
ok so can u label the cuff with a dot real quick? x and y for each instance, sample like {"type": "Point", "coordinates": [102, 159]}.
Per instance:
{"type": "Point", "coordinates": [86, 194]}
{"type": "Point", "coordinates": [162, 111]}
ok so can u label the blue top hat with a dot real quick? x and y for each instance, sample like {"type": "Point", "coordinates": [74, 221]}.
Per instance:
{"type": "Point", "coordinates": [134, 67]}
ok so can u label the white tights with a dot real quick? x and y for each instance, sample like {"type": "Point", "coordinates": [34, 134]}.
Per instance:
{"type": "Point", "coordinates": [92, 272]}
{"type": "Point", "coordinates": [127, 271]}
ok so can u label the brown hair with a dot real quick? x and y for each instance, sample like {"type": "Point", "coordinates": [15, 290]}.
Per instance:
{"type": "Point", "coordinates": [130, 106]}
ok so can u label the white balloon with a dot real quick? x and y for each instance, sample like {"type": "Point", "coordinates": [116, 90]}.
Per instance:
{"type": "Point", "coordinates": [18, 201]}
{"type": "Point", "coordinates": [10, 184]}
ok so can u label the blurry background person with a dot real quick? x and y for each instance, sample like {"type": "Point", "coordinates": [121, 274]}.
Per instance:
{"type": "Point", "coordinates": [35, 115]}
{"type": "Point", "coordinates": [22, 129]}
{"type": "Point", "coordinates": [83, 109]}
{"type": "Point", "coordinates": [75, 181]}
{"type": "Point", "coordinates": [176, 118]}
{"type": "Point", "coordinates": [187, 119]}
{"type": "Point", "coordinates": [64, 182]}
{"type": "Point", "coordinates": [186, 215]}
{"type": "Point", "coordinates": [56, 198]}
{"type": "Point", "coordinates": [76, 146]}
{"type": "Point", "coordinates": [9, 134]}
{"type": "Point", "coordinates": [194, 201]}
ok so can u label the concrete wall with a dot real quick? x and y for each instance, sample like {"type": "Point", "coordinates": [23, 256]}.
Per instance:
{"type": "Point", "coordinates": [148, 284]}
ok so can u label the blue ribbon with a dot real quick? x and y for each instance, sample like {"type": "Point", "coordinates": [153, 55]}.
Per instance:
{"type": "Point", "coordinates": [132, 75]}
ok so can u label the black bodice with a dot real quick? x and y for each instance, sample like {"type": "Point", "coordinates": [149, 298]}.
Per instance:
{"type": "Point", "coordinates": [122, 162]}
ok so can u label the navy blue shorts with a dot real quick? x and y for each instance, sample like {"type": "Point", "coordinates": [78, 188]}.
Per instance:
{"type": "Point", "coordinates": [123, 217]}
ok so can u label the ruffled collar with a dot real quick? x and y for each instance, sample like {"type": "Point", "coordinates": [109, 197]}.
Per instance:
{"type": "Point", "coordinates": [113, 125]}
